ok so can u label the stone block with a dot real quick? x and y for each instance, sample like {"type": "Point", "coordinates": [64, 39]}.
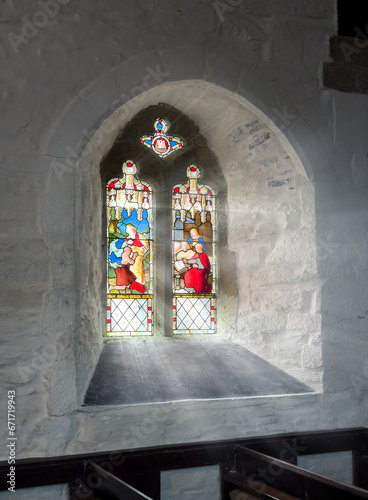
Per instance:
{"type": "Point", "coordinates": [279, 274]}
{"type": "Point", "coordinates": [277, 299]}
{"type": "Point", "coordinates": [346, 78]}
{"type": "Point", "coordinates": [295, 247]}
{"type": "Point", "coordinates": [286, 357]}
{"type": "Point", "coordinates": [288, 338]}
{"type": "Point", "coordinates": [255, 323]}
{"type": "Point", "coordinates": [291, 53]}
{"type": "Point", "coordinates": [192, 63]}
{"type": "Point", "coordinates": [18, 374]}
{"type": "Point", "coordinates": [60, 305]}
{"type": "Point", "coordinates": [359, 170]}
{"type": "Point", "coordinates": [250, 257]}
{"type": "Point", "coordinates": [221, 70]}
{"type": "Point", "coordinates": [312, 356]}
{"type": "Point", "coordinates": [62, 397]}
{"type": "Point", "coordinates": [304, 322]}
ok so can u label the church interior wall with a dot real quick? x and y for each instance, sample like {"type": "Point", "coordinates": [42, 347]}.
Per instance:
{"type": "Point", "coordinates": [294, 158]}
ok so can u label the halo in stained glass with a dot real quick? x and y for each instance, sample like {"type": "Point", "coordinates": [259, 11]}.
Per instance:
{"type": "Point", "coordinates": [129, 254]}
{"type": "Point", "coordinates": [194, 255]}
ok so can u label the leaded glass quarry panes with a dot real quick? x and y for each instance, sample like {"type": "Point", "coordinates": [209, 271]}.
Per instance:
{"type": "Point", "coordinates": [129, 255]}
{"type": "Point", "coordinates": [194, 264]}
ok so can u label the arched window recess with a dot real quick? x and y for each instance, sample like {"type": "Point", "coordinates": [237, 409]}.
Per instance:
{"type": "Point", "coordinates": [163, 241]}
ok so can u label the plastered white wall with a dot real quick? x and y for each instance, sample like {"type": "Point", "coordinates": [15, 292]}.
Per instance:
{"type": "Point", "coordinates": [88, 62]}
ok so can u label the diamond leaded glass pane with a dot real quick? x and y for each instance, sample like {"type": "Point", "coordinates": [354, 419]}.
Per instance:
{"type": "Point", "coordinates": [194, 264]}
{"type": "Point", "coordinates": [129, 255]}
{"type": "Point", "coordinates": [130, 317]}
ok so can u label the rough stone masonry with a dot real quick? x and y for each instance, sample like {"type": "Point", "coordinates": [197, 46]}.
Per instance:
{"type": "Point", "coordinates": [293, 155]}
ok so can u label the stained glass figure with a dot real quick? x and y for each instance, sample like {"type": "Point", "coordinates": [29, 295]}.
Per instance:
{"type": "Point", "coordinates": [129, 255]}
{"type": "Point", "coordinates": [194, 265]}
{"type": "Point", "coordinates": [161, 143]}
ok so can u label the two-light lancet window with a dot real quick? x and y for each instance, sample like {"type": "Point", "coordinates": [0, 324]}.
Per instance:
{"type": "Point", "coordinates": [131, 259]}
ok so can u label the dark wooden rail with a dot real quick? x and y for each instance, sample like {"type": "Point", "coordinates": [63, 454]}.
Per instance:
{"type": "Point", "coordinates": [258, 473]}
{"type": "Point", "coordinates": [141, 468]}
{"type": "Point", "coordinates": [107, 486]}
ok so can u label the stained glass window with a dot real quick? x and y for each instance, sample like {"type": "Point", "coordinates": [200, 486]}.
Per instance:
{"type": "Point", "coordinates": [161, 143]}
{"type": "Point", "coordinates": [194, 265]}
{"type": "Point", "coordinates": [129, 255]}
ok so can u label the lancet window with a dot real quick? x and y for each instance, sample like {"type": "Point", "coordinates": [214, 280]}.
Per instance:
{"type": "Point", "coordinates": [129, 255]}
{"type": "Point", "coordinates": [194, 264]}
{"type": "Point", "coordinates": [132, 293]}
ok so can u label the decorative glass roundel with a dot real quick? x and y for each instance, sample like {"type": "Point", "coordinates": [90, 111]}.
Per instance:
{"type": "Point", "coordinates": [161, 143]}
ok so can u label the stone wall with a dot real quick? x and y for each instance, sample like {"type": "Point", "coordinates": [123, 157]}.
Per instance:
{"type": "Point", "coordinates": [295, 161]}
{"type": "Point", "coordinates": [270, 306]}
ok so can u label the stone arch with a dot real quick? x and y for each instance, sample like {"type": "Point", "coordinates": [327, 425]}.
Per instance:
{"type": "Point", "coordinates": [245, 142]}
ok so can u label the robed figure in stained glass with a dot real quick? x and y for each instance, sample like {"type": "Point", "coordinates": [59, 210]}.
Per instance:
{"type": "Point", "coordinates": [194, 263]}
{"type": "Point", "coordinates": [196, 277]}
{"type": "Point", "coordinates": [130, 276]}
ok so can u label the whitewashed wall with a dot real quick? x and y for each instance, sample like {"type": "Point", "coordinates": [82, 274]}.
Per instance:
{"type": "Point", "coordinates": [302, 290]}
